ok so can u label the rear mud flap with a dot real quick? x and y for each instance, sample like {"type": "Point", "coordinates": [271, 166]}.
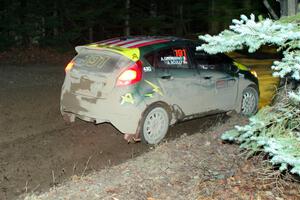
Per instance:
{"type": "Point", "coordinates": [132, 138]}
{"type": "Point", "coordinates": [68, 117]}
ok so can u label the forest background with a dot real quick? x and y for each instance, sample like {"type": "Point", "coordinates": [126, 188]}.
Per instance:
{"type": "Point", "coordinates": [65, 24]}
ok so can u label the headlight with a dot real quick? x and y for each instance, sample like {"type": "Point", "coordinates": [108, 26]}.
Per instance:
{"type": "Point", "coordinates": [254, 73]}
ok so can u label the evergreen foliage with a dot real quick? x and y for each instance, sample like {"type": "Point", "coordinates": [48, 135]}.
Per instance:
{"type": "Point", "coordinates": [249, 33]}
{"type": "Point", "coordinates": [276, 129]}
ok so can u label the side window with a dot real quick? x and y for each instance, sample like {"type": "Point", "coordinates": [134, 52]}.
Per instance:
{"type": "Point", "coordinates": [221, 62]}
{"type": "Point", "coordinates": [218, 62]}
{"type": "Point", "coordinates": [201, 59]}
{"type": "Point", "coordinates": [172, 58]}
{"type": "Point", "coordinates": [150, 58]}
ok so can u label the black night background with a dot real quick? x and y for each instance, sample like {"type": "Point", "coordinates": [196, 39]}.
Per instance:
{"type": "Point", "coordinates": [64, 23]}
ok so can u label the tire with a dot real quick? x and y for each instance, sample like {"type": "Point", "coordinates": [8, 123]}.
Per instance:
{"type": "Point", "coordinates": [154, 124]}
{"type": "Point", "coordinates": [249, 104]}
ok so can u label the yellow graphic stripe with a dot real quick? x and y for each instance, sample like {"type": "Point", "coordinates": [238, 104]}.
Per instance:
{"type": "Point", "coordinates": [240, 66]}
{"type": "Point", "coordinates": [155, 88]}
{"type": "Point", "coordinates": [131, 53]}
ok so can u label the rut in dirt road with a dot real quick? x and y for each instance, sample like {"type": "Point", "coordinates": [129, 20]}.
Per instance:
{"type": "Point", "coordinates": [38, 150]}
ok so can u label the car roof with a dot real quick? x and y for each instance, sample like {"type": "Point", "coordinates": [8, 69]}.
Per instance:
{"type": "Point", "coordinates": [138, 41]}
{"type": "Point", "coordinates": [133, 47]}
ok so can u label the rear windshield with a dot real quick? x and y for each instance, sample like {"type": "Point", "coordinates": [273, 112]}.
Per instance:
{"type": "Point", "coordinates": [100, 60]}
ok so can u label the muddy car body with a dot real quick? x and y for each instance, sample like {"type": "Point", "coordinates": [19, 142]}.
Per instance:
{"type": "Point", "coordinates": [142, 85]}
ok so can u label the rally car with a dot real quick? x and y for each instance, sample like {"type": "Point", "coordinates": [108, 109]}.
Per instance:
{"type": "Point", "coordinates": [143, 84]}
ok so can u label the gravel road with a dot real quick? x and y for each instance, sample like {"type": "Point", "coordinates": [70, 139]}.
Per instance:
{"type": "Point", "coordinates": [38, 150]}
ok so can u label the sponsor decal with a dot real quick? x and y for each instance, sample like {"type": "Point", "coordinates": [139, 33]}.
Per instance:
{"type": "Point", "coordinates": [225, 83]}
{"type": "Point", "coordinates": [179, 58]}
{"type": "Point", "coordinates": [221, 84]}
{"type": "Point", "coordinates": [93, 60]}
{"type": "Point", "coordinates": [134, 57]}
{"type": "Point", "coordinates": [147, 69]}
{"type": "Point", "coordinates": [127, 98]}
{"type": "Point", "coordinates": [173, 60]}
{"type": "Point", "coordinates": [181, 53]}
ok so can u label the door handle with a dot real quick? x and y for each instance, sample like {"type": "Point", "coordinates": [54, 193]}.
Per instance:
{"type": "Point", "coordinates": [84, 77]}
{"type": "Point", "coordinates": [207, 77]}
{"type": "Point", "coordinates": [166, 77]}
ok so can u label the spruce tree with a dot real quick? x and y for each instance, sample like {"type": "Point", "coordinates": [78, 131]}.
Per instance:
{"type": "Point", "coordinates": [275, 129]}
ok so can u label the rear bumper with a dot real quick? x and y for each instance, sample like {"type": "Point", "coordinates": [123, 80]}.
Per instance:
{"type": "Point", "coordinates": [124, 116]}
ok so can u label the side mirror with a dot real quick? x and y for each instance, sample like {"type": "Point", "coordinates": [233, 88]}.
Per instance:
{"type": "Point", "coordinates": [234, 68]}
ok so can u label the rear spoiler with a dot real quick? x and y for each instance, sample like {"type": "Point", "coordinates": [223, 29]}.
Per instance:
{"type": "Point", "coordinates": [131, 53]}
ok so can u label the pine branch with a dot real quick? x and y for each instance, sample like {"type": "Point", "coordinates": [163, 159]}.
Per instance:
{"type": "Point", "coordinates": [275, 129]}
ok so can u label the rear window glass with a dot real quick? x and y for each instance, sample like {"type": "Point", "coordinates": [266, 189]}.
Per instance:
{"type": "Point", "coordinates": [101, 60]}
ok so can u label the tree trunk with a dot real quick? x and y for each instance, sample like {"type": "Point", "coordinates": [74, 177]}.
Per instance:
{"type": "Point", "coordinates": [55, 15]}
{"type": "Point", "coordinates": [43, 27]}
{"type": "Point", "coordinates": [288, 7]}
{"type": "Point", "coordinates": [179, 23]}
{"type": "Point", "coordinates": [247, 5]}
{"type": "Point", "coordinates": [91, 34]}
{"type": "Point", "coordinates": [127, 18]}
{"type": "Point", "coordinates": [270, 9]}
{"type": "Point", "coordinates": [214, 25]}
{"type": "Point", "coordinates": [153, 14]}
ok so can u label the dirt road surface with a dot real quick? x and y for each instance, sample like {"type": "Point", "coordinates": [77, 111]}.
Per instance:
{"type": "Point", "coordinates": [38, 150]}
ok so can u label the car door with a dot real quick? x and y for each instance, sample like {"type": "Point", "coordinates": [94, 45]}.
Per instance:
{"type": "Point", "coordinates": [177, 78]}
{"type": "Point", "coordinates": [227, 83]}
{"type": "Point", "coordinates": [218, 81]}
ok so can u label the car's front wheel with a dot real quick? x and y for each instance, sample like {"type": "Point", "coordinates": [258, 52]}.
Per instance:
{"type": "Point", "coordinates": [249, 101]}
{"type": "Point", "coordinates": [154, 124]}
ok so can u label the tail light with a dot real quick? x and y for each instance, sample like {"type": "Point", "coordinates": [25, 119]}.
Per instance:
{"type": "Point", "coordinates": [131, 75]}
{"type": "Point", "coordinates": [69, 66]}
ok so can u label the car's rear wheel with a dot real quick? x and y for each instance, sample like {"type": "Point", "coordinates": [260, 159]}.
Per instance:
{"type": "Point", "coordinates": [155, 124]}
{"type": "Point", "coordinates": [249, 101]}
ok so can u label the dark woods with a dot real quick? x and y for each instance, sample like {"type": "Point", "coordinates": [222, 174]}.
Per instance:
{"type": "Point", "coordinates": [63, 23]}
